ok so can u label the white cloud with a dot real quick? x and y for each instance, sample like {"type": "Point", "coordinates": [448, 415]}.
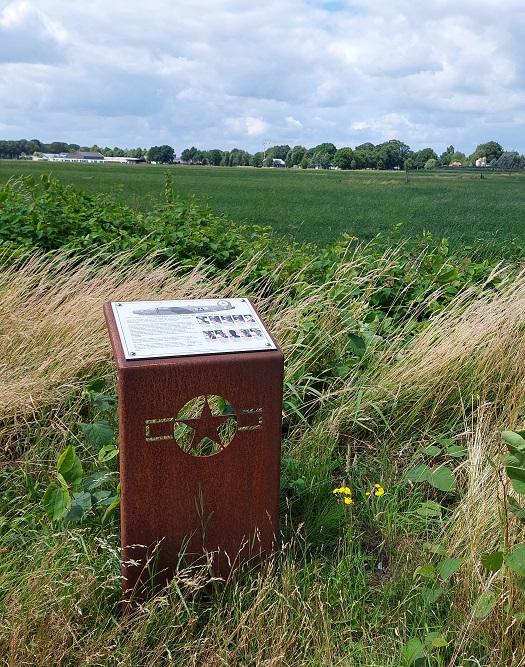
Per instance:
{"type": "Point", "coordinates": [215, 73]}
{"type": "Point", "coordinates": [292, 122]}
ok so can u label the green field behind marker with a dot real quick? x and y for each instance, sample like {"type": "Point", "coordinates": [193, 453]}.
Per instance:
{"type": "Point", "coordinates": [319, 206]}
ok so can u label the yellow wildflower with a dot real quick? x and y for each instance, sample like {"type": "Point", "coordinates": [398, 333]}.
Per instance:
{"type": "Point", "coordinates": [378, 490]}
{"type": "Point", "coordinates": [344, 493]}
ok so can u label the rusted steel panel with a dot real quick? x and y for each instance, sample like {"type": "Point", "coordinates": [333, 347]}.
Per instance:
{"type": "Point", "coordinates": [175, 505]}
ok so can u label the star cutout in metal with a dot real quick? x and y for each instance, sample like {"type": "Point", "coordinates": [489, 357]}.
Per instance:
{"type": "Point", "coordinates": [205, 428]}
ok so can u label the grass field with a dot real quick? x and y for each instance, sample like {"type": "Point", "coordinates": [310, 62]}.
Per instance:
{"type": "Point", "coordinates": [319, 206]}
{"type": "Point", "coordinates": [401, 538]}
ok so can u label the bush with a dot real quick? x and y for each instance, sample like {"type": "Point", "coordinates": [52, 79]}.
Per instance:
{"type": "Point", "coordinates": [46, 215]}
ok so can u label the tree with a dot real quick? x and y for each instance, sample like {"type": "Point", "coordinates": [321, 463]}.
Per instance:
{"type": "Point", "coordinates": [238, 158]}
{"type": "Point", "coordinates": [343, 158]}
{"type": "Point", "coordinates": [161, 154]}
{"type": "Point", "coordinates": [10, 150]}
{"type": "Point", "coordinates": [392, 154]}
{"type": "Point", "coordinates": [510, 160]}
{"type": "Point", "coordinates": [214, 157]}
{"type": "Point", "coordinates": [364, 156]}
{"type": "Point", "coordinates": [188, 154]}
{"type": "Point", "coordinates": [431, 164]}
{"type": "Point", "coordinates": [58, 147]}
{"type": "Point", "coordinates": [295, 156]}
{"type": "Point", "coordinates": [139, 153]}
{"type": "Point", "coordinates": [323, 155]}
{"type": "Point", "coordinates": [257, 159]}
{"type": "Point", "coordinates": [445, 157]}
{"type": "Point", "coordinates": [420, 158]}
{"type": "Point", "coordinates": [276, 153]}
{"type": "Point", "coordinates": [458, 156]}
{"type": "Point", "coordinates": [491, 150]}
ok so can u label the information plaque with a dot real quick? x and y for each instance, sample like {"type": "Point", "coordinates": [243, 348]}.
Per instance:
{"type": "Point", "coordinates": [150, 329]}
{"type": "Point", "coordinates": [200, 387]}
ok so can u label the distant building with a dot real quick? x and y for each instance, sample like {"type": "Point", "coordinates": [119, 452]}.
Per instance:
{"type": "Point", "coordinates": [455, 164]}
{"type": "Point", "coordinates": [51, 157]}
{"type": "Point", "coordinates": [277, 162]}
{"type": "Point", "coordinates": [481, 162]}
{"type": "Point", "coordinates": [123, 160]}
{"type": "Point", "coordinates": [84, 156]}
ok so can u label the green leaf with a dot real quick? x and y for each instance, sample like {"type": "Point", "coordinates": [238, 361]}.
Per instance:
{"type": "Point", "coordinates": [445, 442]}
{"type": "Point", "coordinates": [96, 385]}
{"type": "Point", "coordinates": [101, 496]}
{"type": "Point", "coordinates": [438, 549]}
{"type": "Point", "coordinates": [358, 344]}
{"type": "Point", "coordinates": [56, 501]}
{"type": "Point", "coordinates": [514, 441]}
{"type": "Point", "coordinates": [485, 604]}
{"type": "Point", "coordinates": [75, 474]}
{"type": "Point", "coordinates": [107, 453]}
{"type": "Point", "coordinates": [515, 467]}
{"type": "Point", "coordinates": [110, 510]}
{"type": "Point", "coordinates": [516, 560]}
{"type": "Point", "coordinates": [427, 571]}
{"type": "Point", "coordinates": [439, 642]}
{"type": "Point", "coordinates": [429, 509]}
{"type": "Point", "coordinates": [442, 478]}
{"type": "Point", "coordinates": [447, 274]}
{"type": "Point", "coordinates": [420, 473]}
{"type": "Point", "coordinates": [432, 451]}
{"type": "Point", "coordinates": [102, 401]}
{"type": "Point", "coordinates": [447, 567]}
{"type": "Point", "coordinates": [95, 480]}
{"type": "Point", "coordinates": [412, 651]}
{"type": "Point", "coordinates": [66, 460]}
{"type": "Point", "coordinates": [516, 509]}
{"type": "Point", "coordinates": [492, 561]}
{"type": "Point", "coordinates": [431, 595]}
{"type": "Point", "coordinates": [80, 504]}
{"type": "Point", "coordinates": [99, 433]}
{"type": "Point", "coordinates": [370, 317]}
{"type": "Point", "coordinates": [457, 451]}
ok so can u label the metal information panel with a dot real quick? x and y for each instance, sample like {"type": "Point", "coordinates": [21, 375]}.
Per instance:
{"type": "Point", "coordinates": [200, 388]}
{"type": "Point", "coordinates": [151, 329]}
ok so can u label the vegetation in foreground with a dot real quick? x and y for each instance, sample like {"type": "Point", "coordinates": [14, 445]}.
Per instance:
{"type": "Point", "coordinates": [403, 366]}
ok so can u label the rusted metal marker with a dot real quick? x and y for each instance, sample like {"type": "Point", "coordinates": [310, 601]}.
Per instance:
{"type": "Point", "coordinates": [200, 441]}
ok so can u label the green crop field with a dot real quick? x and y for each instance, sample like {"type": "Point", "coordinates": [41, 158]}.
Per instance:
{"type": "Point", "coordinates": [319, 206]}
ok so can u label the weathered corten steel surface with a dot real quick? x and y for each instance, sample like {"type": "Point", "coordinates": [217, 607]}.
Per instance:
{"type": "Point", "coordinates": [175, 506]}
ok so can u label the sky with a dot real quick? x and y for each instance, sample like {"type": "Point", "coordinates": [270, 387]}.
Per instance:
{"type": "Point", "coordinates": [250, 74]}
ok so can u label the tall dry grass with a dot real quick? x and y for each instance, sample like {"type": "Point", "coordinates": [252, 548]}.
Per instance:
{"type": "Point", "coordinates": [53, 334]}
{"type": "Point", "coordinates": [461, 375]}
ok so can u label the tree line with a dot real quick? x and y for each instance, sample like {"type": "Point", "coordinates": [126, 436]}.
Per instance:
{"type": "Point", "coordinates": [393, 154]}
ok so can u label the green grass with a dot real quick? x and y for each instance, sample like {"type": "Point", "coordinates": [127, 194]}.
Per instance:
{"type": "Point", "coordinates": [319, 206]}
{"type": "Point", "coordinates": [343, 589]}
{"type": "Point", "coordinates": [383, 359]}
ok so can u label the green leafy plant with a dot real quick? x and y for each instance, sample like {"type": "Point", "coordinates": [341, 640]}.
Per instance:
{"type": "Point", "coordinates": [73, 493]}
{"type": "Point", "coordinates": [436, 469]}
{"type": "Point", "coordinates": [510, 469]}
